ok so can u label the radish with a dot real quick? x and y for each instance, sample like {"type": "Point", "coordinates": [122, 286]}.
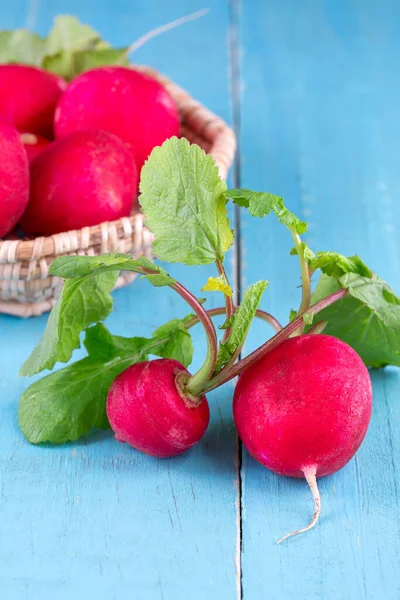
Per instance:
{"type": "Point", "coordinates": [304, 408]}
{"type": "Point", "coordinates": [80, 180]}
{"type": "Point", "coordinates": [120, 100]}
{"type": "Point", "coordinates": [14, 179]}
{"type": "Point", "coordinates": [28, 97]}
{"type": "Point", "coordinates": [34, 144]}
{"type": "Point", "coordinates": [147, 409]}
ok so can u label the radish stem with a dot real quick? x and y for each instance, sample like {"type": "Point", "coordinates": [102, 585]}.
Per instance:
{"type": "Point", "coordinates": [270, 319]}
{"type": "Point", "coordinates": [310, 475]}
{"type": "Point", "coordinates": [260, 314]}
{"type": "Point", "coordinates": [230, 309]}
{"type": "Point", "coordinates": [195, 384]}
{"type": "Point", "coordinates": [318, 327]}
{"type": "Point", "coordinates": [305, 279]}
{"type": "Point", "coordinates": [227, 374]}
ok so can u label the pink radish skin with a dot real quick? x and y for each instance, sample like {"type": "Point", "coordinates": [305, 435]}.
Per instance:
{"type": "Point", "coordinates": [146, 410]}
{"type": "Point", "coordinates": [133, 106]}
{"type": "Point", "coordinates": [28, 98]}
{"type": "Point", "coordinates": [303, 410]}
{"type": "Point", "coordinates": [78, 181]}
{"type": "Point", "coordinates": [33, 144]}
{"type": "Point", "coordinates": [14, 179]}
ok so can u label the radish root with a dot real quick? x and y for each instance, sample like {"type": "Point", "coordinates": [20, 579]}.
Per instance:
{"type": "Point", "coordinates": [310, 475]}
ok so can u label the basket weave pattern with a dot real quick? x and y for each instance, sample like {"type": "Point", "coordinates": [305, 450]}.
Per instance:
{"type": "Point", "coordinates": [27, 289]}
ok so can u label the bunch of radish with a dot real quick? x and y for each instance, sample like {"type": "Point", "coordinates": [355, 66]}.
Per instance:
{"type": "Point", "coordinates": [85, 132]}
{"type": "Point", "coordinates": [302, 401]}
{"type": "Point", "coordinates": [75, 145]}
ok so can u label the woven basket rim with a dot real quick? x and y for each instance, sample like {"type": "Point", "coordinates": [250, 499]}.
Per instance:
{"type": "Point", "coordinates": [61, 243]}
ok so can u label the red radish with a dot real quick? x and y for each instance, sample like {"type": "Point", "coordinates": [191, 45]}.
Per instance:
{"type": "Point", "coordinates": [304, 408]}
{"type": "Point", "coordinates": [34, 144]}
{"type": "Point", "coordinates": [122, 101]}
{"type": "Point", "coordinates": [14, 179]}
{"type": "Point", "coordinates": [146, 409]}
{"type": "Point", "coordinates": [28, 97]}
{"type": "Point", "coordinates": [83, 179]}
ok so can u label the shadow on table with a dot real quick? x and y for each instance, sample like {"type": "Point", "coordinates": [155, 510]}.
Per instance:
{"type": "Point", "coordinates": [216, 453]}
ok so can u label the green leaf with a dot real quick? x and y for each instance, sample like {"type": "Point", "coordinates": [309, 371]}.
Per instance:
{"type": "Point", "coordinates": [21, 46]}
{"type": "Point", "coordinates": [159, 279]}
{"type": "Point", "coordinates": [240, 323]}
{"type": "Point", "coordinates": [332, 263]}
{"type": "Point", "coordinates": [69, 64]}
{"type": "Point", "coordinates": [99, 57]}
{"type": "Point", "coordinates": [260, 204]}
{"type": "Point", "coordinates": [171, 340]}
{"type": "Point", "coordinates": [67, 404]}
{"type": "Point", "coordinates": [377, 295]}
{"type": "Point", "coordinates": [326, 285]}
{"type": "Point", "coordinates": [85, 299]}
{"type": "Point", "coordinates": [292, 314]}
{"type": "Point", "coordinates": [73, 47]}
{"type": "Point", "coordinates": [307, 252]}
{"type": "Point", "coordinates": [61, 64]}
{"type": "Point", "coordinates": [368, 320]}
{"type": "Point", "coordinates": [308, 318]}
{"type": "Point", "coordinates": [182, 198]}
{"type": "Point", "coordinates": [82, 302]}
{"type": "Point", "coordinates": [102, 345]}
{"type": "Point", "coordinates": [337, 265]}
{"type": "Point", "coordinates": [227, 324]}
{"type": "Point", "coordinates": [69, 34]}
{"type": "Point", "coordinates": [68, 267]}
{"type": "Point", "coordinates": [218, 284]}
{"type": "Point", "coordinates": [70, 49]}
{"type": "Point", "coordinates": [77, 266]}
{"type": "Point", "coordinates": [178, 342]}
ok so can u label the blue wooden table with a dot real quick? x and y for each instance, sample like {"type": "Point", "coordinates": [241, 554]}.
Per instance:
{"type": "Point", "coordinates": [313, 90]}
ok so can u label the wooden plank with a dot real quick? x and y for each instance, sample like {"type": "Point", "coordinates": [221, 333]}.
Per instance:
{"type": "Point", "coordinates": [95, 519]}
{"type": "Point", "coordinates": [319, 125]}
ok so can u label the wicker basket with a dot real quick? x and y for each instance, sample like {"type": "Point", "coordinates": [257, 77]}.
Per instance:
{"type": "Point", "coordinates": [26, 288]}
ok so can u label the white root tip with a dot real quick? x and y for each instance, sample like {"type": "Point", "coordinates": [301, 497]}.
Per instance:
{"type": "Point", "coordinates": [310, 475]}
{"type": "Point", "coordinates": [163, 28]}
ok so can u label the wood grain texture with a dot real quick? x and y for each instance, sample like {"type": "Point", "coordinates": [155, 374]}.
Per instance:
{"type": "Point", "coordinates": [319, 125]}
{"type": "Point", "coordinates": [96, 519]}
{"type": "Point", "coordinates": [315, 96]}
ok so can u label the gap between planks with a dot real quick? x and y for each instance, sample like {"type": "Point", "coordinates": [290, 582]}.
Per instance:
{"type": "Point", "coordinates": [235, 89]}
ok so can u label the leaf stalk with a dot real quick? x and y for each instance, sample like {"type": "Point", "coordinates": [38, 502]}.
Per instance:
{"type": "Point", "coordinates": [226, 375]}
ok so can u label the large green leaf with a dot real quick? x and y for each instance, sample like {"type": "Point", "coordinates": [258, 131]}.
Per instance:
{"type": "Point", "coordinates": [368, 323]}
{"type": "Point", "coordinates": [177, 341]}
{"type": "Point", "coordinates": [377, 295]}
{"type": "Point", "coordinates": [83, 301]}
{"type": "Point", "coordinates": [182, 198]}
